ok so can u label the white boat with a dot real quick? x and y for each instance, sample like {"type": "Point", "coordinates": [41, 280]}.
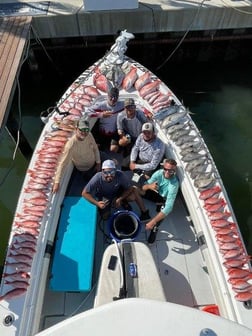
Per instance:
{"type": "Point", "coordinates": [69, 273]}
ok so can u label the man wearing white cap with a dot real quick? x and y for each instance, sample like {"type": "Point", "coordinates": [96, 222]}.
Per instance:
{"type": "Point", "coordinates": [147, 152]}
{"type": "Point", "coordinates": [112, 187]}
{"type": "Point", "coordinates": [82, 150]}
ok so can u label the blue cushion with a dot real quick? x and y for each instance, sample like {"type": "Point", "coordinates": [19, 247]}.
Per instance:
{"type": "Point", "coordinates": [72, 266]}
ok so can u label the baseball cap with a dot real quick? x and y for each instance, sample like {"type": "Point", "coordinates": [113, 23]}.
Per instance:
{"type": "Point", "coordinates": [129, 102]}
{"type": "Point", "coordinates": [108, 164]}
{"type": "Point", "coordinates": [148, 127]}
{"type": "Point", "coordinates": [83, 123]}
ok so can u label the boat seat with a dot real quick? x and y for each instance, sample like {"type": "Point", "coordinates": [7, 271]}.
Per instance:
{"type": "Point", "coordinates": [72, 266]}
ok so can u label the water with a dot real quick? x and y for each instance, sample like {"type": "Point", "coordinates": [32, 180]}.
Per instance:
{"type": "Point", "coordinates": [218, 94]}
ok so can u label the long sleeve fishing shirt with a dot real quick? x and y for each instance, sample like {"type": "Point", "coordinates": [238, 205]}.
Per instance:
{"type": "Point", "coordinates": [83, 154]}
{"type": "Point", "coordinates": [167, 188]}
{"type": "Point", "coordinates": [150, 153]}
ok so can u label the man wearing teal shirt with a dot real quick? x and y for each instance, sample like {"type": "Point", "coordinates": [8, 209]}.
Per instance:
{"type": "Point", "coordinates": [162, 187]}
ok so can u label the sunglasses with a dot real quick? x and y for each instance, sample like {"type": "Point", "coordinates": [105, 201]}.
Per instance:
{"type": "Point", "coordinates": [83, 129]}
{"type": "Point", "coordinates": [109, 172]}
{"type": "Point", "coordinates": [170, 171]}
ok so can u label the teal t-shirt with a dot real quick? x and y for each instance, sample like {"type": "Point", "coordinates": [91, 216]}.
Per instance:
{"type": "Point", "coordinates": [167, 188]}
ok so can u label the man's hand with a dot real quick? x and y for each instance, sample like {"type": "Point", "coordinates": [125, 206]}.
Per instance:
{"type": "Point", "coordinates": [150, 225]}
{"type": "Point", "coordinates": [106, 114]}
{"type": "Point", "coordinates": [55, 188]}
{"type": "Point", "coordinates": [132, 166]}
{"type": "Point", "coordinates": [124, 141]}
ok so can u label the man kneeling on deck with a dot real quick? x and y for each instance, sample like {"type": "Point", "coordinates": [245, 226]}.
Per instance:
{"type": "Point", "coordinates": [161, 188]}
{"type": "Point", "coordinates": [111, 187]}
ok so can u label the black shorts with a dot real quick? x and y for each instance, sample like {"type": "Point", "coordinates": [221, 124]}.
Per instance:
{"type": "Point", "coordinates": [154, 197]}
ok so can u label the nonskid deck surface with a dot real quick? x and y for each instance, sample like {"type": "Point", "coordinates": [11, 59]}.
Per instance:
{"type": "Point", "coordinates": [178, 259]}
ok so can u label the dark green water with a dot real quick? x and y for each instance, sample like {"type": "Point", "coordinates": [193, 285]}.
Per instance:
{"type": "Point", "coordinates": [219, 94]}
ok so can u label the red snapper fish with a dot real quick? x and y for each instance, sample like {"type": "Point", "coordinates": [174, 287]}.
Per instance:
{"type": "Point", "coordinates": [36, 201]}
{"type": "Point", "coordinates": [150, 87]}
{"type": "Point", "coordinates": [213, 200]}
{"type": "Point", "coordinates": [230, 229]}
{"type": "Point", "coordinates": [13, 293]}
{"type": "Point", "coordinates": [21, 257]}
{"type": "Point", "coordinates": [17, 283]}
{"type": "Point", "coordinates": [244, 296]}
{"type": "Point", "coordinates": [27, 224]}
{"type": "Point", "coordinates": [235, 253]}
{"type": "Point", "coordinates": [101, 82]}
{"type": "Point", "coordinates": [16, 276]}
{"type": "Point", "coordinates": [218, 215]}
{"type": "Point", "coordinates": [214, 207]}
{"type": "Point", "coordinates": [239, 283]}
{"type": "Point", "coordinates": [220, 223]}
{"type": "Point", "coordinates": [151, 97]}
{"type": "Point", "coordinates": [142, 80]}
{"type": "Point", "coordinates": [231, 263]}
{"type": "Point", "coordinates": [225, 238]}
{"type": "Point", "coordinates": [85, 102]}
{"type": "Point", "coordinates": [23, 249]}
{"type": "Point", "coordinates": [230, 246]}
{"type": "Point", "coordinates": [18, 266]}
{"type": "Point", "coordinates": [25, 237]}
{"type": "Point", "coordinates": [91, 91]}
{"type": "Point", "coordinates": [209, 192]}
{"type": "Point", "coordinates": [130, 78]}
{"type": "Point", "coordinates": [33, 231]}
{"type": "Point", "coordinates": [239, 273]}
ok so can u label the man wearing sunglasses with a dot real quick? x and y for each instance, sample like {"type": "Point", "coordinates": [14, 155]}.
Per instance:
{"type": "Point", "coordinates": [82, 150]}
{"type": "Point", "coordinates": [161, 188]}
{"type": "Point", "coordinates": [106, 112]}
{"type": "Point", "coordinates": [112, 187]}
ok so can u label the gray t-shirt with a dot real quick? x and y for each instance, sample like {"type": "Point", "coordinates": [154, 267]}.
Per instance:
{"type": "Point", "coordinates": [133, 127]}
{"type": "Point", "coordinates": [98, 187]}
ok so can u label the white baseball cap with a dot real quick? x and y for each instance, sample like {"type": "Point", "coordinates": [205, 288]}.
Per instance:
{"type": "Point", "coordinates": [108, 164]}
{"type": "Point", "coordinates": [148, 127]}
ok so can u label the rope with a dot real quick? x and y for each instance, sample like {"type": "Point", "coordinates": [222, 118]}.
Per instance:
{"type": "Point", "coordinates": [19, 119]}
{"type": "Point", "coordinates": [183, 37]}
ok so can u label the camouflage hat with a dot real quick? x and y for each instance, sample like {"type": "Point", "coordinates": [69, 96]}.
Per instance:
{"type": "Point", "coordinates": [83, 123]}
{"type": "Point", "coordinates": [129, 102]}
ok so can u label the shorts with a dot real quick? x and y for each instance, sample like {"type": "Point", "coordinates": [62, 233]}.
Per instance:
{"type": "Point", "coordinates": [154, 197]}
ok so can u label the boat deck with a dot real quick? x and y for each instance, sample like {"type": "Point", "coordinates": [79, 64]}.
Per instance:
{"type": "Point", "coordinates": [178, 259]}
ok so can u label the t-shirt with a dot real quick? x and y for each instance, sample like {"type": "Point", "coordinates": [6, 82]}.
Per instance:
{"type": "Point", "coordinates": [98, 187]}
{"type": "Point", "coordinates": [133, 126]}
{"type": "Point", "coordinates": [107, 126]}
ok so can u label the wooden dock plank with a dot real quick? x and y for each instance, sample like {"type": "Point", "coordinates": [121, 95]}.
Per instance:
{"type": "Point", "coordinates": [13, 38]}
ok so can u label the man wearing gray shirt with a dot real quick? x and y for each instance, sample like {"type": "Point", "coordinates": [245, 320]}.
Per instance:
{"type": "Point", "coordinates": [147, 152]}
{"type": "Point", "coordinates": [129, 124]}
